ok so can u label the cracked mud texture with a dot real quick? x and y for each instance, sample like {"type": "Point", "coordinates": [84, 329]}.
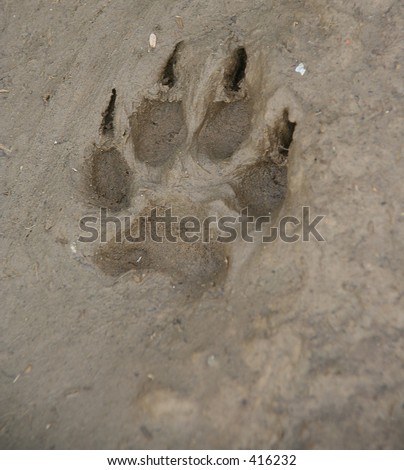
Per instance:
{"type": "Point", "coordinates": [293, 345]}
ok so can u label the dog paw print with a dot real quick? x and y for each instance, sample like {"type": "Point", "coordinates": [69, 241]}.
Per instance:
{"type": "Point", "coordinates": [198, 146]}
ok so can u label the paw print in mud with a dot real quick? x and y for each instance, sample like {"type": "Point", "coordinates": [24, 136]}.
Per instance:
{"type": "Point", "coordinates": [200, 145]}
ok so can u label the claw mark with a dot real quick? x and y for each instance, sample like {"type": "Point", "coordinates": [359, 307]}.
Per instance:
{"type": "Point", "coordinates": [281, 139]}
{"type": "Point", "coordinates": [107, 125]}
{"type": "Point", "coordinates": [236, 72]}
{"type": "Point", "coordinates": [169, 77]}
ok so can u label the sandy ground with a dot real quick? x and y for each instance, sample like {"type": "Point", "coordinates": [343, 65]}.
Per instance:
{"type": "Point", "coordinates": [282, 345]}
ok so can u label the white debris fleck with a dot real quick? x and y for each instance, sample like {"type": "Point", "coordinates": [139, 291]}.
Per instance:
{"type": "Point", "coordinates": [301, 68]}
{"type": "Point", "coordinates": [73, 247]}
{"type": "Point", "coordinates": [140, 257]}
{"type": "Point", "coordinates": [74, 169]}
{"type": "Point", "coordinates": [212, 361]}
{"type": "Point", "coordinates": [152, 40]}
{"type": "Point", "coordinates": [180, 22]}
